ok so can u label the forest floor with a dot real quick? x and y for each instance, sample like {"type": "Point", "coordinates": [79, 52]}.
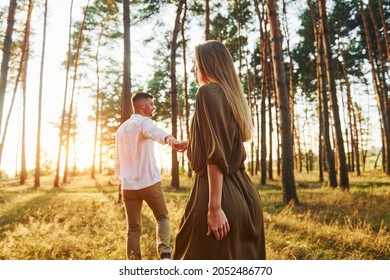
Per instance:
{"type": "Point", "coordinates": [82, 219]}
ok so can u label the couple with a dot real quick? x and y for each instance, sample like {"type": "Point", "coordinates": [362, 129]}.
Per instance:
{"type": "Point", "coordinates": [223, 218]}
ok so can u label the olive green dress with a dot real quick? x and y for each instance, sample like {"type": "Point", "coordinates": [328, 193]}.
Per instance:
{"type": "Point", "coordinates": [215, 139]}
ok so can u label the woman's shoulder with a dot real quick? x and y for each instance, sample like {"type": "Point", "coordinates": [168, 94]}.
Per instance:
{"type": "Point", "coordinates": [210, 91]}
{"type": "Point", "coordinates": [209, 87]}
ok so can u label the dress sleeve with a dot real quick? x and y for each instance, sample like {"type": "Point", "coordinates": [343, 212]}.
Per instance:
{"type": "Point", "coordinates": [213, 116]}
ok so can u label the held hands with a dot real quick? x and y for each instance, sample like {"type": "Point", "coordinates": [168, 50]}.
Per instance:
{"type": "Point", "coordinates": [217, 223]}
{"type": "Point", "coordinates": [179, 146]}
{"type": "Point", "coordinates": [170, 140]}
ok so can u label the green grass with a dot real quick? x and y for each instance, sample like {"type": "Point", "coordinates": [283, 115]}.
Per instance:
{"type": "Point", "coordinates": [82, 220]}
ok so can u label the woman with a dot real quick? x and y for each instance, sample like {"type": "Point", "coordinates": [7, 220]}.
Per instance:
{"type": "Point", "coordinates": [223, 218]}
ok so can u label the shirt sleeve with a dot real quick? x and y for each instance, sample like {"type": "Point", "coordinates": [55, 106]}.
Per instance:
{"type": "Point", "coordinates": [118, 176]}
{"type": "Point", "coordinates": [150, 130]}
{"type": "Point", "coordinates": [213, 114]}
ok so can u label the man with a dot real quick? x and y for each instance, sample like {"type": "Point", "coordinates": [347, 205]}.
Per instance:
{"type": "Point", "coordinates": [137, 173]}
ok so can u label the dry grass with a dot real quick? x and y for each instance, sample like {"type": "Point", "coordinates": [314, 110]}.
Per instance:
{"type": "Point", "coordinates": [82, 220]}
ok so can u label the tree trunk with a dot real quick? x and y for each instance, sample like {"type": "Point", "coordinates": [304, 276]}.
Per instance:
{"type": "Point", "coordinates": [288, 181]}
{"type": "Point", "coordinates": [97, 102]}
{"type": "Point", "coordinates": [256, 122]}
{"type": "Point", "coordinates": [382, 72]}
{"type": "Point", "coordinates": [26, 49]}
{"type": "Point", "coordinates": [385, 29]}
{"type": "Point", "coordinates": [382, 65]}
{"type": "Point", "coordinates": [6, 55]}
{"type": "Point", "coordinates": [323, 98]}
{"type": "Point", "coordinates": [343, 169]}
{"type": "Point", "coordinates": [262, 146]}
{"type": "Point", "coordinates": [380, 97]}
{"type": "Point", "coordinates": [239, 46]}
{"type": "Point", "coordinates": [175, 164]}
{"type": "Point", "coordinates": [250, 102]}
{"type": "Point", "coordinates": [207, 24]}
{"type": "Point", "coordinates": [270, 130]}
{"type": "Point", "coordinates": [126, 109]}
{"type": "Point", "coordinates": [20, 72]}
{"type": "Point", "coordinates": [263, 149]}
{"type": "Point", "coordinates": [352, 118]}
{"type": "Point", "coordinates": [70, 113]}
{"type": "Point", "coordinates": [186, 103]}
{"type": "Point", "coordinates": [63, 115]}
{"type": "Point", "coordinates": [291, 86]}
{"type": "Point", "coordinates": [37, 182]}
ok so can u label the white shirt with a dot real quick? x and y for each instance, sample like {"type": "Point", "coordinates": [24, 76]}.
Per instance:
{"type": "Point", "coordinates": [135, 164]}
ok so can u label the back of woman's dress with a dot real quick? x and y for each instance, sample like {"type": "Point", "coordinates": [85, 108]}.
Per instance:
{"type": "Point", "coordinates": [215, 139]}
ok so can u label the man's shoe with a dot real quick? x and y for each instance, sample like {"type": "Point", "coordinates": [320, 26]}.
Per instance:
{"type": "Point", "coordinates": [165, 256]}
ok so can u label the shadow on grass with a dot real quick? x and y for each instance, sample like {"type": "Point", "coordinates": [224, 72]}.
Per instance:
{"type": "Point", "coordinates": [308, 242]}
{"type": "Point", "coordinates": [20, 213]}
{"type": "Point", "coordinates": [366, 185]}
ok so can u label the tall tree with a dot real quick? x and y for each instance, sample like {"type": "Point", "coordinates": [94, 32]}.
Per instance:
{"type": "Point", "coordinates": [17, 80]}
{"type": "Point", "coordinates": [291, 84]}
{"type": "Point", "coordinates": [380, 95]}
{"type": "Point", "coordinates": [26, 49]}
{"type": "Point", "coordinates": [343, 168]}
{"type": "Point", "coordinates": [288, 180]}
{"type": "Point", "coordinates": [97, 105]}
{"type": "Point", "coordinates": [207, 22]}
{"type": "Point", "coordinates": [264, 85]}
{"type": "Point", "coordinates": [70, 114]}
{"type": "Point", "coordinates": [382, 73]}
{"type": "Point", "coordinates": [322, 99]}
{"type": "Point", "coordinates": [385, 28]}
{"type": "Point", "coordinates": [101, 31]}
{"type": "Point", "coordinates": [37, 176]}
{"type": "Point", "coordinates": [6, 55]}
{"type": "Point", "coordinates": [352, 118]}
{"type": "Point", "coordinates": [63, 115]}
{"type": "Point", "coordinates": [185, 80]}
{"type": "Point", "coordinates": [126, 109]}
{"type": "Point", "coordinates": [173, 47]}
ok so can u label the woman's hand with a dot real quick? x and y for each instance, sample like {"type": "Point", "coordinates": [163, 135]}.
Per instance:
{"type": "Point", "coordinates": [180, 146]}
{"type": "Point", "coordinates": [216, 218]}
{"type": "Point", "coordinates": [217, 223]}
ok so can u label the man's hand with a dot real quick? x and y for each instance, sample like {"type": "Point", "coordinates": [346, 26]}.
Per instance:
{"type": "Point", "coordinates": [170, 140]}
{"type": "Point", "coordinates": [180, 146]}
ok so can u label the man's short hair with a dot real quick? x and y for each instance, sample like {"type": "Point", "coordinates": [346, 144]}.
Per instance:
{"type": "Point", "coordinates": [140, 96]}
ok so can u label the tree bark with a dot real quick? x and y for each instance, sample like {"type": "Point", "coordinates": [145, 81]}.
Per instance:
{"type": "Point", "coordinates": [323, 99]}
{"type": "Point", "coordinates": [70, 113]}
{"type": "Point", "coordinates": [385, 29]}
{"type": "Point", "coordinates": [126, 109]}
{"type": "Point", "coordinates": [288, 181]}
{"type": "Point", "coordinates": [37, 176]}
{"type": "Point", "coordinates": [56, 182]}
{"type": "Point", "coordinates": [270, 130]}
{"type": "Point", "coordinates": [175, 164]}
{"type": "Point", "coordinates": [26, 49]}
{"type": "Point", "coordinates": [263, 93]}
{"type": "Point", "coordinates": [6, 55]}
{"type": "Point", "coordinates": [97, 104]}
{"type": "Point", "coordinates": [379, 94]}
{"type": "Point", "coordinates": [207, 24]}
{"type": "Point", "coordinates": [343, 169]}
{"type": "Point", "coordinates": [186, 103]}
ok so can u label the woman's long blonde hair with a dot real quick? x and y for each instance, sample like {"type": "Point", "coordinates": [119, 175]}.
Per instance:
{"type": "Point", "coordinates": [215, 65]}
